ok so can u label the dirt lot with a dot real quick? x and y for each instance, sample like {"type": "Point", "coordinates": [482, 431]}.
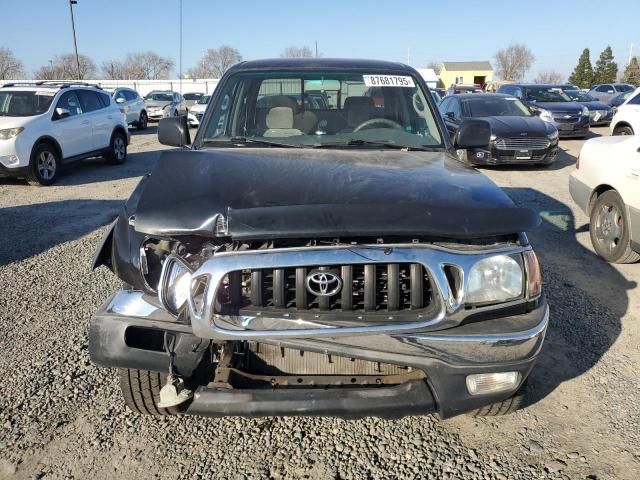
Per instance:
{"type": "Point", "coordinates": [60, 417]}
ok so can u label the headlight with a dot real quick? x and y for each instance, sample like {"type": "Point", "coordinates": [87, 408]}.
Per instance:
{"type": "Point", "coordinates": [175, 283]}
{"type": "Point", "coordinates": [493, 137]}
{"type": "Point", "coordinates": [553, 135]}
{"type": "Point", "coordinates": [585, 111]}
{"type": "Point", "coordinates": [546, 116]}
{"type": "Point", "coordinates": [7, 133]}
{"type": "Point", "coordinates": [495, 279]}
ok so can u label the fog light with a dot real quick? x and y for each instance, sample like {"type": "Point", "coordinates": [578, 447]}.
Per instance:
{"type": "Point", "coordinates": [486, 383]}
{"type": "Point", "coordinates": [9, 160]}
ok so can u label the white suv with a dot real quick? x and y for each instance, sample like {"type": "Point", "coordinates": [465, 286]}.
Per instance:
{"type": "Point", "coordinates": [43, 125]}
{"type": "Point", "coordinates": [133, 106]}
{"type": "Point", "coordinates": [626, 121]}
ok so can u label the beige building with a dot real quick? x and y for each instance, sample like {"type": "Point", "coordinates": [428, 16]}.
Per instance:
{"type": "Point", "coordinates": [456, 73]}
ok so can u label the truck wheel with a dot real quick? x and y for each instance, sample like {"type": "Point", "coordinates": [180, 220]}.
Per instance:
{"type": "Point", "coordinates": [141, 389]}
{"type": "Point", "coordinates": [609, 229]}
{"type": "Point", "coordinates": [505, 407]}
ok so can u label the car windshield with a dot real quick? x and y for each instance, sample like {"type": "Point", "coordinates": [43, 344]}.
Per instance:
{"type": "Point", "coordinates": [579, 96]}
{"type": "Point", "coordinates": [192, 96]}
{"type": "Point", "coordinates": [625, 88]}
{"type": "Point", "coordinates": [360, 109]}
{"type": "Point", "coordinates": [24, 103]}
{"type": "Point", "coordinates": [495, 106]}
{"type": "Point", "coordinates": [204, 99]}
{"type": "Point", "coordinates": [159, 96]}
{"type": "Point", "coordinates": [546, 94]}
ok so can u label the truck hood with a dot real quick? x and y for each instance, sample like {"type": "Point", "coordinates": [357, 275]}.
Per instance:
{"type": "Point", "coordinates": [262, 193]}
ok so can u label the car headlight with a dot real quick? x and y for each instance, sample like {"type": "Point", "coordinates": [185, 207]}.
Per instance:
{"type": "Point", "coordinates": [493, 137]}
{"type": "Point", "coordinates": [546, 116]}
{"type": "Point", "coordinates": [585, 111]}
{"type": "Point", "coordinates": [494, 280]}
{"type": "Point", "coordinates": [553, 135]}
{"type": "Point", "coordinates": [7, 133]}
{"type": "Point", "coordinates": [175, 283]}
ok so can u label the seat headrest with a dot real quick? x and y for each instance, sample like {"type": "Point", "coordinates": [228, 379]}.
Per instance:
{"type": "Point", "coordinates": [280, 117]}
{"type": "Point", "coordinates": [359, 110]}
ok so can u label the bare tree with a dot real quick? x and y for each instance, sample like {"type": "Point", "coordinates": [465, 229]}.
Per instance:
{"type": "Point", "coordinates": [549, 76]}
{"type": "Point", "coordinates": [514, 61]}
{"type": "Point", "coordinates": [10, 66]}
{"type": "Point", "coordinates": [435, 66]}
{"type": "Point", "coordinates": [297, 52]}
{"type": "Point", "coordinates": [147, 66]}
{"type": "Point", "coordinates": [215, 61]}
{"type": "Point", "coordinates": [64, 67]}
{"type": "Point", "coordinates": [113, 69]}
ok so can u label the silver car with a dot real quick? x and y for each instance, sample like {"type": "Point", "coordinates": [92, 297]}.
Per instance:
{"type": "Point", "coordinates": [133, 105]}
{"type": "Point", "coordinates": [164, 103]}
{"type": "Point", "coordinates": [606, 91]}
{"type": "Point", "coordinates": [192, 98]}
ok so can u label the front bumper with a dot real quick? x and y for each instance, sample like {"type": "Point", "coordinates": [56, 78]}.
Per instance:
{"type": "Point", "coordinates": [572, 127]}
{"type": "Point", "coordinates": [447, 357]}
{"type": "Point", "coordinates": [494, 156]}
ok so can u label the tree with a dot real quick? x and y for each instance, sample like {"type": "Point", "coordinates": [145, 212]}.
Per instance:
{"type": "Point", "coordinates": [513, 62]}
{"type": "Point", "coordinates": [297, 52]}
{"type": "Point", "coordinates": [10, 66]}
{"type": "Point", "coordinates": [583, 74]}
{"type": "Point", "coordinates": [548, 76]}
{"type": "Point", "coordinates": [606, 70]}
{"type": "Point", "coordinates": [435, 66]}
{"type": "Point", "coordinates": [147, 66]}
{"type": "Point", "coordinates": [215, 62]}
{"type": "Point", "coordinates": [113, 70]}
{"type": "Point", "coordinates": [632, 72]}
{"type": "Point", "coordinates": [64, 67]}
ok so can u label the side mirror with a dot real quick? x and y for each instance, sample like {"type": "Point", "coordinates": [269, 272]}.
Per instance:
{"type": "Point", "coordinates": [450, 115]}
{"type": "Point", "coordinates": [611, 91]}
{"type": "Point", "coordinates": [473, 134]}
{"type": "Point", "coordinates": [174, 131]}
{"type": "Point", "coordinates": [62, 113]}
{"type": "Point", "coordinates": [119, 100]}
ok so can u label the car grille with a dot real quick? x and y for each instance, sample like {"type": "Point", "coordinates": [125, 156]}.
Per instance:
{"type": "Point", "coordinates": [370, 288]}
{"type": "Point", "coordinates": [523, 143]}
{"type": "Point", "coordinates": [568, 117]}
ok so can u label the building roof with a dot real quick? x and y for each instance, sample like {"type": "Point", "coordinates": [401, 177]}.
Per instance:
{"type": "Point", "coordinates": [467, 66]}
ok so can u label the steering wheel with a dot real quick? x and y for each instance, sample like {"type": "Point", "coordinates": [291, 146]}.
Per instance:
{"type": "Point", "coordinates": [374, 121]}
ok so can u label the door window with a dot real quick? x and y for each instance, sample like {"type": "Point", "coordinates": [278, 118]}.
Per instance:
{"type": "Point", "coordinates": [635, 100]}
{"type": "Point", "coordinates": [604, 88]}
{"type": "Point", "coordinates": [130, 95]}
{"type": "Point", "coordinates": [90, 101]}
{"type": "Point", "coordinates": [120, 95]}
{"type": "Point", "coordinates": [70, 101]}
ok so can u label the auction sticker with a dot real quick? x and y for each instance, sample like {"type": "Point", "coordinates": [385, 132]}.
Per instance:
{"type": "Point", "coordinates": [388, 81]}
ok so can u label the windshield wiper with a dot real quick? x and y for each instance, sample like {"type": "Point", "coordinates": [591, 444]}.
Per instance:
{"type": "Point", "coordinates": [256, 141]}
{"type": "Point", "coordinates": [381, 143]}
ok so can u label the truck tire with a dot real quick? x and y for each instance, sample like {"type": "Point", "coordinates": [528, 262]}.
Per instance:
{"type": "Point", "coordinates": [505, 407]}
{"type": "Point", "coordinates": [141, 389]}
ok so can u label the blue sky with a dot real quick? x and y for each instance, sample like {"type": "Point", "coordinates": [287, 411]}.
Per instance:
{"type": "Point", "coordinates": [556, 32]}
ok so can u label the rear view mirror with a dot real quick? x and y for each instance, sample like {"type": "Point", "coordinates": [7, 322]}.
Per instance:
{"type": "Point", "coordinates": [174, 131]}
{"type": "Point", "coordinates": [473, 134]}
{"type": "Point", "coordinates": [62, 113]}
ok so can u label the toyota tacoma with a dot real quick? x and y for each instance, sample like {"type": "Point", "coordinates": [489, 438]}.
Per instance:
{"type": "Point", "coordinates": [320, 258]}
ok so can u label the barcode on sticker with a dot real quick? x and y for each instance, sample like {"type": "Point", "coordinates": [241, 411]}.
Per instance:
{"type": "Point", "coordinates": [388, 81]}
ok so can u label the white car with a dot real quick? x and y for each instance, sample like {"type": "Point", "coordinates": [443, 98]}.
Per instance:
{"type": "Point", "coordinates": [133, 105]}
{"type": "Point", "coordinates": [45, 124]}
{"type": "Point", "coordinates": [197, 110]}
{"type": "Point", "coordinates": [626, 121]}
{"type": "Point", "coordinates": [606, 186]}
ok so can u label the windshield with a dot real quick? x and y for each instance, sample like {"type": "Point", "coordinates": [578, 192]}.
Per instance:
{"type": "Point", "coordinates": [160, 96]}
{"type": "Point", "coordinates": [24, 103]}
{"type": "Point", "coordinates": [490, 106]}
{"type": "Point", "coordinates": [204, 100]}
{"type": "Point", "coordinates": [546, 94]}
{"type": "Point", "coordinates": [192, 96]}
{"type": "Point", "coordinates": [322, 109]}
{"type": "Point", "coordinates": [579, 96]}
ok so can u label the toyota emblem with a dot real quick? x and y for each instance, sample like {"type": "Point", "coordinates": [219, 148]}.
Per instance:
{"type": "Point", "coordinates": [323, 283]}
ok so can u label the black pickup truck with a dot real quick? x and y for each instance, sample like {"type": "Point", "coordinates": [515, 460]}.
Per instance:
{"type": "Point", "coordinates": [320, 258]}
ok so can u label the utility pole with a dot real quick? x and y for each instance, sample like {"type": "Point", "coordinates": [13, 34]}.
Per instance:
{"type": "Point", "coordinates": [630, 53]}
{"type": "Point", "coordinates": [180, 68]}
{"type": "Point", "coordinates": [408, 55]}
{"type": "Point", "coordinates": [75, 42]}
{"type": "Point", "coordinates": [316, 48]}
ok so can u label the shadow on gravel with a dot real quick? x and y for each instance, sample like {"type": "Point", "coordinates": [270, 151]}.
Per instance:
{"type": "Point", "coordinates": [587, 297]}
{"type": "Point", "coordinates": [28, 230]}
{"type": "Point", "coordinates": [152, 129]}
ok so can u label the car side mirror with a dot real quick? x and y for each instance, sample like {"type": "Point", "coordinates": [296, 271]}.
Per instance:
{"type": "Point", "coordinates": [62, 113]}
{"type": "Point", "coordinates": [174, 131]}
{"type": "Point", "coordinates": [450, 115]}
{"type": "Point", "coordinates": [120, 100]}
{"type": "Point", "coordinates": [473, 134]}
{"type": "Point", "coordinates": [611, 91]}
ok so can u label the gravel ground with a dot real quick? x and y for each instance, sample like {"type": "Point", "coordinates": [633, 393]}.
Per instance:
{"type": "Point", "coordinates": [61, 417]}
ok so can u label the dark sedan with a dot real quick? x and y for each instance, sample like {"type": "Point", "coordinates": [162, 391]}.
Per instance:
{"type": "Point", "coordinates": [599, 113]}
{"type": "Point", "coordinates": [518, 136]}
{"type": "Point", "coordinates": [619, 99]}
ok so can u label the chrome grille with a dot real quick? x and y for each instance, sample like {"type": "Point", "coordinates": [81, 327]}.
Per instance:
{"type": "Point", "coordinates": [371, 288]}
{"type": "Point", "coordinates": [523, 143]}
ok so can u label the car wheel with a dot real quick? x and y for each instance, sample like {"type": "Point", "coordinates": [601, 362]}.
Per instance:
{"type": "Point", "coordinates": [141, 390]}
{"type": "Point", "coordinates": [44, 165]}
{"type": "Point", "coordinates": [609, 229]}
{"type": "Point", "coordinates": [118, 149]}
{"type": "Point", "coordinates": [623, 131]}
{"type": "Point", "coordinates": [143, 121]}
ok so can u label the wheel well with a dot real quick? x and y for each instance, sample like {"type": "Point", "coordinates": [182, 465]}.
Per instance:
{"type": "Point", "coordinates": [596, 193]}
{"type": "Point", "coordinates": [48, 141]}
{"type": "Point", "coordinates": [622, 124]}
{"type": "Point", "coordinates": [120, 129]}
